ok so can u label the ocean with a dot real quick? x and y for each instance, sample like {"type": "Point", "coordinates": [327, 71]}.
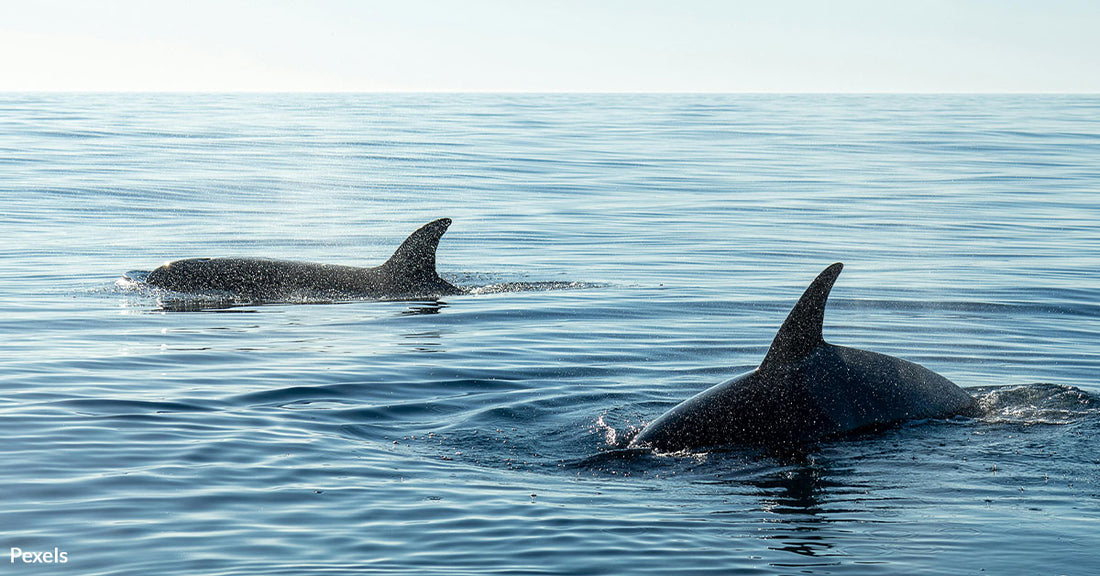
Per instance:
{"type": "Point", "coordinates": [622, 253]}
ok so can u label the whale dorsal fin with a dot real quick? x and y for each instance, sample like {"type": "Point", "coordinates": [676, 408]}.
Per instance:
{"type": "Point", "coordinates": [801, 331]}
{"type": "Point", "coordinates": [415, 258]}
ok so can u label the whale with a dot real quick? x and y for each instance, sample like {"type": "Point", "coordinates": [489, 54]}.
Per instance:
{"type": "Point", "coordinates": [806, 391]}
{"type": "Point", "coordinates": [409, 274]}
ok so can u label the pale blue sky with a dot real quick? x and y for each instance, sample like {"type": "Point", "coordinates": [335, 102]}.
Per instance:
{"type": "Point", "coordinates": [552, 45]}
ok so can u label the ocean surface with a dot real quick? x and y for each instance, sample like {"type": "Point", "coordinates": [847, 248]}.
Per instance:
{"type": "Point", "coordinates": [622, 253]}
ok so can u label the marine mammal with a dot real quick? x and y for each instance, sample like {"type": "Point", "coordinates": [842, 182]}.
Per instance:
{"type": "Point", "coordinates": [806, 390]}
{"type": "Point", "coordinates": [408, 274]}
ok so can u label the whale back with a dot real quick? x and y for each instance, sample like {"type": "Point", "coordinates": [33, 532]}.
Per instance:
{"type": "Point", "coordinates": [860, 390]}
{"type": "Point", "coordinates": [807, 390]}
{"type": "Point", "coordinates": [408, 273]}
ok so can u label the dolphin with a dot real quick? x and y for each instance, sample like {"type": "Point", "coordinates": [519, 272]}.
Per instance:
{"type": "Point", "coordinates": [806, 390]}
{"type": "Point", "coordinates": [408, 275]}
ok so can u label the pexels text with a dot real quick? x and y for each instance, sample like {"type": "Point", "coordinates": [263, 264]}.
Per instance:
{"type": "Point", "coordinates": [31, 557]}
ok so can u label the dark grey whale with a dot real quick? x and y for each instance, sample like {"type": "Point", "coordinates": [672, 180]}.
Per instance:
{"type": "Point", "coordinates": [409, 274]}
{"type": "Point", "coordinates": [806, 390]}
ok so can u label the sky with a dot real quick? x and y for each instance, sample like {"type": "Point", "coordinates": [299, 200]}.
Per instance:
{"type": "Point", "coordinates": [1044, 46]}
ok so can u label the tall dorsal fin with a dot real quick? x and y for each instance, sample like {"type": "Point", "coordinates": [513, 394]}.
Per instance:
{"type": "Point", "coordinates": [415, 258]}
{"type": "Point", "coordinates": [801, 331]}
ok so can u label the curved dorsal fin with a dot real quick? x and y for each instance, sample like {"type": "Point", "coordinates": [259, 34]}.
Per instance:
{"type": "Point", "coordinates": [801, 331]}
{"type": "Point", "coordinates": [415, 258]}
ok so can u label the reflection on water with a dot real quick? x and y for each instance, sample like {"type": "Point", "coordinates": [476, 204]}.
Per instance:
{"type": "Point", "coordinates": [802, 524]}
{"type": "Point", "coordinates": [428, 307]}
{"type": "Point", "coordinates": [424, 341]}
{"type": "Point", "coordinates": [796, 490]}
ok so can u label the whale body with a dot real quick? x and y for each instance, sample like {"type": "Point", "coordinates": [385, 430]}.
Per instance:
{"type": "Point", "coordinates": [806, 390]}
{"type": "Point", "coordinates": [409, 274]}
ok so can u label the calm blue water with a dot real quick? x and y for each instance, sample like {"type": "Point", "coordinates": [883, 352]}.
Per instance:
{"type": "Point", "coordinates": [625, 252]}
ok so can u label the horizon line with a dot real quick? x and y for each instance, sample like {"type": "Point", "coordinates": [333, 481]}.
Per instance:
{"type": "Point", "coordinates": [565, 92]}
